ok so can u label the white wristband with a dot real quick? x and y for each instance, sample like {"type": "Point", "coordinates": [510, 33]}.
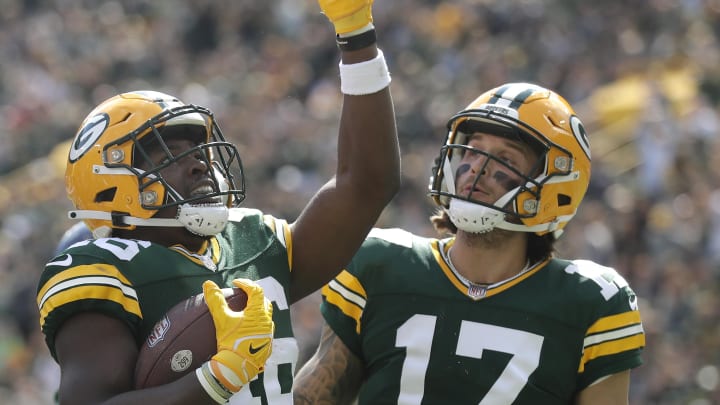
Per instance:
{"type": "Point", "coordinates": [366, 77]}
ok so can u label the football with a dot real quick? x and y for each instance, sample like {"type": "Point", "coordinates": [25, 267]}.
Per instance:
{"type": "Point", "coordinates": [182, 340]}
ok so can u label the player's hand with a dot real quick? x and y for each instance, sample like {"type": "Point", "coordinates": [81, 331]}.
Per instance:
{"type": "Point", "coordinates": [244, 338]}
{"type": "Point", "coordinates": [347, 15]}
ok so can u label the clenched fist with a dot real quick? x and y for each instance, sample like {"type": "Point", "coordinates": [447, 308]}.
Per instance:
{"type": "Point", "coordinates": [347, 15]}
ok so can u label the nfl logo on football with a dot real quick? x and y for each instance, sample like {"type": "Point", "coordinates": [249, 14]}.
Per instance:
{"type": "Point", "coordinates": [158, 332]}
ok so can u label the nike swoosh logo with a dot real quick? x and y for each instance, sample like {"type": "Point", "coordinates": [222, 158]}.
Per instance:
{"type": "Point", "coordinates": [254, 350]}
{"type": "Point", "coordinates": [64, 262]}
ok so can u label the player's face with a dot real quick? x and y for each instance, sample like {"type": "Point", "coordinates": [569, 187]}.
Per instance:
{"type": "Point", "coordinates": [486, 179]}
{"type": "Point", "coordinates": [190, 175]}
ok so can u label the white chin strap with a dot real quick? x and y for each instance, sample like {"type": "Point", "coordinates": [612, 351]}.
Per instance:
{"type": "Point", "coordinates": [200, 219]}
{"type": "Point", "coordinates": [476, 218]}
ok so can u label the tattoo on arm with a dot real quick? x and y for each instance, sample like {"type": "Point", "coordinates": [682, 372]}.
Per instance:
{"type": "Point", "coordinates": [332, 376]}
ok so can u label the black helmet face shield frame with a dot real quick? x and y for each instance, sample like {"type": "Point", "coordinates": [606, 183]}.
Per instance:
{"type": "Point", "coordinates": [456, 152]}
{"type": "Point", "coordinates": [220, 156]}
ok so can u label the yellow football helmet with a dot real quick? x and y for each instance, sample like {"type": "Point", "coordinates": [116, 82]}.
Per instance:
{"type": "Point", "coordinates": [109, 190]}
{"type": "Point", "coordinates": [550, 195]}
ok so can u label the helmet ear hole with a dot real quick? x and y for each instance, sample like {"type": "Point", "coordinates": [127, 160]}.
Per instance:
{"type": "Point", "coordinates": [564, 200]}
{"type": "Point", "coordinates": [106, 195]}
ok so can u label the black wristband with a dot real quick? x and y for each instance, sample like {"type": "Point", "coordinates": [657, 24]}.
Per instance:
{"type": "Point", "coordinates": [356, 42]}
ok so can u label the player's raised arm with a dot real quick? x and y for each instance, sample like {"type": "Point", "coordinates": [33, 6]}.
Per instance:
{"type": "Point", "coordinates": [333, 225]}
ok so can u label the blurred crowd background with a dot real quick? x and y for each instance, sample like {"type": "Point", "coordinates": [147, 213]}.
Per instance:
{"type": "Point", "coordinates": [644, 75]}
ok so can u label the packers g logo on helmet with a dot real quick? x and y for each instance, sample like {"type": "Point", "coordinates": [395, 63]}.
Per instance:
{"type": "Point", "coordinates": [88, 135]}
{"type": "Point", "coordinates": [109, 190]}
{"type": "Point", "coordinates": [546, 201]}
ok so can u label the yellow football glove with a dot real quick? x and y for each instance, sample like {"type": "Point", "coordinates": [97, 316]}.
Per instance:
{"type": "Point", "coordinates": [244, 339]}
{"type": "Point", "coordinates": [347, 15]}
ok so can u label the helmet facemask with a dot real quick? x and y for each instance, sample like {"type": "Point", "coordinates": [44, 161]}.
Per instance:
{"type": "Point", "coordinates": [471, 214]}
{"type": "Point", "coordinates": [218, 156]}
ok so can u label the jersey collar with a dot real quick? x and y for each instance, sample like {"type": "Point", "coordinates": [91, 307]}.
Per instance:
{"type": "Point", "coordinates": [476, 291]}
{"type": "Point", "coordinates": [207, 256]}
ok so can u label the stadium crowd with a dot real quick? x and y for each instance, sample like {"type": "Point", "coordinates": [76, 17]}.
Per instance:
{"type": "Point", "coordinates": [644, 76]}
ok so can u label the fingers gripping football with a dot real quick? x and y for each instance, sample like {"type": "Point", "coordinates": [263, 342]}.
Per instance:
{"type": "Point", "coordinates": [244, 338]}
{"type": "Point", "coordinates": [347, 15]}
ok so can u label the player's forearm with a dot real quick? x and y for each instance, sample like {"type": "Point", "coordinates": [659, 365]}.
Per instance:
{"type": "Point", "coordinates": [186, 390]}
{"type": "Point", "coordinates": [368, 152]}
{"type": "Point", "coordinates": [319, 384]}
{"type": "Point", "coordinates": [314, 385]}
{"type": "Point", "coordinates": [332, 376]}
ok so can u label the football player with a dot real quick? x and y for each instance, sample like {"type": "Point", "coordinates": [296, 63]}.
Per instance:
{"type": "Point", "coordinates": [488, 315]}
{"type": "Point", "coordinates": [158, 185]}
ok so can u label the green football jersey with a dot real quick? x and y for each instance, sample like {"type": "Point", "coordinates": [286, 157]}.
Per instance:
{"type": "Point", "coordinates": [427, 336]}
{"type": "Point", "coordinates": [137, 282]}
